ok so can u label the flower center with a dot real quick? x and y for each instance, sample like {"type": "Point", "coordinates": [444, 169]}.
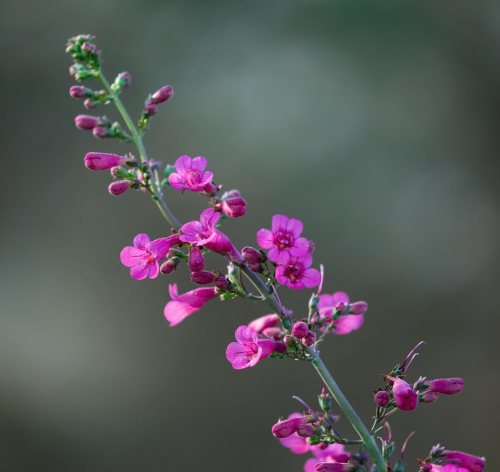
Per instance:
{"type": "Point", "coordinates": [193, 177]}
{"type": "Point", "coordinates": [293, 272]}
{"type": "Point", "coordinates": [283, 240]}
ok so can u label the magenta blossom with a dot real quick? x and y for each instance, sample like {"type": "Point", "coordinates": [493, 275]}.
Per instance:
{"type": "Point", "coordinates": [143, 256]}
{"type": "Point", "coordinates": [405, 397]}
{"type": "Point", "coordinates": [185, 304]}
{"type": "Point", "coordinates": [297, 274]}
{"type": "Point", "coordinates": [335, 455]}
{"type": "Point", "coordinates": [283, 239]}
{"type": "Point", "coordinates": [448, 386]}
{"type": "Point", "coordinates": [249, 349]}
{"type": "Point", "coordinates": [190, 174]}
{"type": "Point", "coordinates": [103, 160]}
{"type": "Point", "coordinates": [204, 233]}
{"type": "Point", "coordinates": [294, 442]}
{"type": "Point", "coordinates": [468, 461]}
{"type": "Point", "coordinates": [339, 301]}
{"type": "Point", "coordinates": [284, 429]}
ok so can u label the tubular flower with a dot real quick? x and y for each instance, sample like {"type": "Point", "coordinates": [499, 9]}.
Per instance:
{"type": "Point", "coordinates": [249, 349]}
{"type": "Point", "coordinates": [144, 255]}
{"type": "Point", "coordinates": [185, 304]}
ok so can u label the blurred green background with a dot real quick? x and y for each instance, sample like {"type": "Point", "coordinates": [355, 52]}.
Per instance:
{"type": "Point", "coordinates": [375, 122]}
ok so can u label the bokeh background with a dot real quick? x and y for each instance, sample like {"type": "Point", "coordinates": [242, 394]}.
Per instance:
{"type": "Point", "coordinates": [375, 122]}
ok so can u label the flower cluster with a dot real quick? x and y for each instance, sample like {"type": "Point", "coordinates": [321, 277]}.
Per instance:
{"type": "Point", "coordinates": [283, 260]}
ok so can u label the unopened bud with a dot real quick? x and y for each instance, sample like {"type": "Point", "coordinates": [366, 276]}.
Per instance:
{"type": "Point", "coordinates": [221, 282]}
{"type": "Point", "coordinates": [162, 95]}
{"type": "Point", "coordinates": [118, 187]}
{"type": "Point", "coordinates": [79, 91]}
{"type": "Point", "coordinates": [150, 108]}
{"type": "Point", "coordinates": [309, 339]}
{"type": "Point", "coordinates": [87, 122]}
{"type": "Point", "coordinates": [446, 386]}
{"type": "Point", "coordinates": [305, 430]}
{"type": "Point", "coordinates": [300, 329]}
{"type": "Point", "coordinates": [286, 428]}
{"type": "Point", "coordinates": [253, 257]}
{"type": "Point", "coordinates": [196, 261]}
{"type": "Point", "coordinates": [382, 398]}
{"type": "Point", "coordinates": [123, 80]}
{"type": "Point", "coordinates": [358, 308]}
{"type": "Point", "coordinates": [405, 397]}
{"type": "Point", "coordinates": [103, 160]}
{"type": "Point", "coordinates": [233, 207]}
{"type": "Point", "coordinates": [101, 132]}
{"type": "Point", "coordinates": [168, 266]}
{"type": "Point", "coordinates": [89, 103]}
{"type": "Point", "coordinates": [203, 277]}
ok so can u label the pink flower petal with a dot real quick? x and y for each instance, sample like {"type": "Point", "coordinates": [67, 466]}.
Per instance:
{"type": "Point", "coordinates": [246, 335]}
{"type": "Point", "coordinates": [296, 444]}
{"type": "Point", "coordinates": [279, 222]}
{"type": "Point", "coordinates": [311, 278]}
{"type": "Point", "coordinates": [340, 297]}
{"type": "Point", "coordinates": [130, 256]}
{"type": "Point", "coordinates": [348, 323]}
{"type": "Point", "coordinates": [140, 271]}
{"type": "Point", "coordinates": [209, 218]}
{"type": "Point", "coordinates": [177, 181]}
{"type": "Point", "coordinates": [183, 164]}
{"type": "Point", "coordinates": [199, 163]}
{"type": "Point", "coordinates": [265, 238]}
{"type": "Point", "coordinates": [141, 241]}
{"type": "Point", "coordinates": [295, 227]}
{"type": "Point", "coordinates": [240, 356]}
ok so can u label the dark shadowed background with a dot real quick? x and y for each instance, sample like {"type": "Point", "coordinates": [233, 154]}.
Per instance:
{"type": "Point", "coordinates": [376, 123]}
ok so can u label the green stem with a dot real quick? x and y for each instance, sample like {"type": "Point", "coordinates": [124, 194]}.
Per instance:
{"type": "Point", "coordinates": [157, 193]}
{"type": "Point", "coordinates": [350, 413]}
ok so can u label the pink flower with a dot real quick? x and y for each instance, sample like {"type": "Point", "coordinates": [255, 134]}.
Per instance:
{"type": "Point", "coordinates": [249, 349]}
{"type": "Point", "coordinates": [190, 174]}
{"type": "Point", "coordinates": [284, 429]}
{"type": "Point", "coordinates": [294, 442]}
{"type": "Point", "coordinates": [264, 322]}
{"type": "Point", "coordinates": [103, 160]}
{"type": "Point", "coordinates": [181, 306]}
{"type": "Point", "coordinates": [468, 461]}
{"type": "Point", "coordinates": [283, 239]}
{"type": "Point", "coordinates": [87, 122]}
{"type": "Point", "coordinates": [163, 94]}
{"type": "Point", "coordinates": [446, 386]}
{"type": "Point", "coordinates": [143, 256]}
{"type": "Point", "coordinates": [404, 396]}
{"type": "Point", "coordinates": [204, 233]}
{"type": "Point", "coordinates": [118, 187]}
{"type": "Point", "coordinates": [297, 274]}
{"type": "Point", "coordinates": [339, 301]}
{"type": "Point", "coordinates": [333, 455]}
{"type": "Point", "coordinates": [233, 207]}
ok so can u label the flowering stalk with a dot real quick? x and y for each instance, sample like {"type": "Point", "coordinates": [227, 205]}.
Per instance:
{"type": "Point", "coordinates": [284, 259]}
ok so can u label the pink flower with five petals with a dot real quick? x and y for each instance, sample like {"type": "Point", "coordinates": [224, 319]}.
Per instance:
{"type": "Point", "coordinates": [249, 349]}
{"type": "Point", "coordinates": [143, 256]}
{"type": "Point", "coordinates": [283, 239]}
{"type": "Point", "coordinates": [190, 174]}
{"type": "Point", "coordinates": [296, 273]}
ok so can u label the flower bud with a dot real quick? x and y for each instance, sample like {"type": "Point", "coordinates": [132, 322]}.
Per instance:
{"type": "Point", "coordinates": [286, 428]}
{"type": "Point", "coordinates": [123, 80]}
{"type": "Point", "coordinates": [233, 207]}
{"type": "Point", "coordinates": [210, 189]}
{"type": "Point", "coordinates": [103, 160]}
{"type": "Point", "coordinates": [289, 340]}
{"type": "Point", "coordinates": [203, 277]}
{"type": "Point", "coordinates": [89, 103]}
{"type": "Point", "coordinates": [429, 397]}
{"type": "Point", "coordinates": [162, 95]}
{"type": "Point", "coordinates": [101, 132]}
{"type": "Point", "coordinates": [463, 459]}
{"type": "Point", "coordinates": [221, 282]}
{"type": "Point", "coordinates": [300, 329]}
{"type": "Point", "coordinates": [446, 386]}
{"type": "Point", "coordinates": [382, 398]}
{"type": "Point", "coordinates": [405, 397]}
{"type": "Point", "coordinates": [305, 430]}
{"type": "Point", "coordinates": [79, 91]}
{"type": "Point", "coordinates": [168, 266]}
{"type": "Point", "coordinates": [253, 257]}
{"type": "Point", "coordinates": [309, 339]}
{"type": "Point", "coordinates": [87, 122]}
{"type": "Point", "coordinates": [150, 108]}
{"type": "Point", "coordinates": [358, 308]}
{"type": "Point", "coordinates": [119, 186]}
{"type": "Point", "coordinates": [264, 322]}
{"type": "Point", "coordinates": [196, 261]}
